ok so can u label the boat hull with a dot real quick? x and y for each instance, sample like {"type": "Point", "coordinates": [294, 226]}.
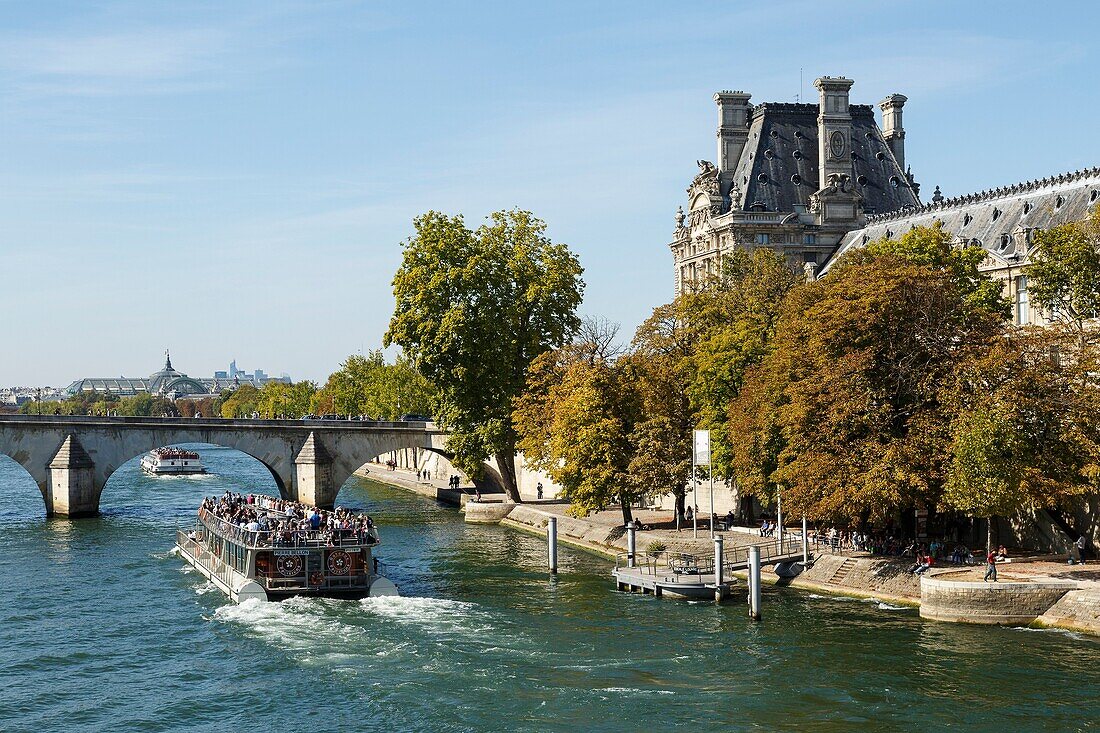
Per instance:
{"type": "Point", "coordinates": [239, 587]}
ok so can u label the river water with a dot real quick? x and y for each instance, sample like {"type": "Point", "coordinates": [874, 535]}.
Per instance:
{"type": "Point", "coordinates": [103, 629]}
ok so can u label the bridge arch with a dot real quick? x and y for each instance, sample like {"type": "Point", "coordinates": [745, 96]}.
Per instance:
{"type": "Point", "coordinates": [71, 458]}
{"type": "Point", "coordinates": [12, 472]}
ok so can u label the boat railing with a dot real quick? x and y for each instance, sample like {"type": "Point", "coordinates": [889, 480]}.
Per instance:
{"type": "Point", "coordinates": [287, 537]}
{"type": "Point", "coordinates": [665, 562]}
{"type": "Point", "coordinates": [193, 546]}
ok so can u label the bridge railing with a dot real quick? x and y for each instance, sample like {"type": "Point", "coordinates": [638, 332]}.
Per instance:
{"type": "Point", "coordinates": [226, 421]}
{"type": "Point", "coordinates": [286, 537]}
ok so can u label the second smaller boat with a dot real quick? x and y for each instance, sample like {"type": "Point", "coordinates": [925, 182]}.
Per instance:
{"type": "Point", "coordinates": [172, 462]}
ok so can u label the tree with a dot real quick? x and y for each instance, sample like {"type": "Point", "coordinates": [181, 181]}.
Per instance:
{"type": "Point", "coordinates": [241, 402]}
{"type": "Point", "coordinates": [931, 246]}
{"type": "Point", "coordinates": [845, 414]}
{"type": "Point", "coordinates": [367, 385]}
{"type": "Point", "coordinates": [1024, 427]}
{"type": "Point", "coordinates": [279, 399]}
{"type": "Point", "coordinates": [473, 310]}
{"type": "Point", "coordinates": [576, 421]}
{"type": "Point", "coordinates": [1064, 274]}
{"type": "Point", "coordinates": [145, 405]}
{"type": "Point", "coordinates": [730, 325]}
{"type": "Point", "coordinates": [660, 362]}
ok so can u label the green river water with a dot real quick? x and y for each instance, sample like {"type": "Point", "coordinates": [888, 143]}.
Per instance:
{"type": "Point", "coordinates": [103, 629]}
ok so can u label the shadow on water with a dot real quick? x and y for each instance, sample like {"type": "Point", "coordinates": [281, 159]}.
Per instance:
{"type": "Point", "coordinates": [483, 639]}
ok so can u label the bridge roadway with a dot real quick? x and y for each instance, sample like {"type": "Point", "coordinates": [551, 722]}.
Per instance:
{"type": "Point", "coordinates": [71, 457]}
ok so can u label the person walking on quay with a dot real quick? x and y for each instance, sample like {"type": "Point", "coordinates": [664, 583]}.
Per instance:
{"type": "Point", "coordinates": [1082, 547]}
{"type": "Point", "coordinates": [539, 489]}
{"type": "Point", "coordinates": [990, 566]}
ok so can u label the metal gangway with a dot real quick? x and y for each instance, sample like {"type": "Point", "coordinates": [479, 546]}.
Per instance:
{"type": "Point", "coordinates": [693, 575]}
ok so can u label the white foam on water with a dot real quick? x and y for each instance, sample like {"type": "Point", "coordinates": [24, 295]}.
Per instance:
{"type": "Point", "coordinates": [1064, 632]}
{"type": "Point", "coordinates": [636, 691]}
{"type": "Point", "coordinates": [205, 588]}
{"type": "Point", "coordinates": [888, 607]}
{"type": "Point", "coordinates": [423, 611]}
{"type": "Point", "coordinates": [296, 623]}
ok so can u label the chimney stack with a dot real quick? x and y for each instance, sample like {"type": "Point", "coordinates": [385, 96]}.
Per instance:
{"type": "Point", "coordinates": [734, 112]}
{"type": "Point", "coordinates": [891, 126]}
{"type": "Point", "coordinates": [834, 129]}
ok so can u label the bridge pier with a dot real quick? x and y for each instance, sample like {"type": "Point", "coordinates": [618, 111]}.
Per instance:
{"type": "Point", "coordinates": [313, 483]}
{"type": "Point", "coordinates": [71, 491]}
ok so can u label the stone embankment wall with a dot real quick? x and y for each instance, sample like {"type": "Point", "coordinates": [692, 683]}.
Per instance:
{"type": "Point", "coordinates": [1078, 610]}
{"type": "Point", "coordinates": [870, 577]}
{"type": "Point", "coordinates": [975, 602]}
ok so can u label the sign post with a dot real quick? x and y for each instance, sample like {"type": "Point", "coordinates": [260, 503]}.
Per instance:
{"type": "Point", "coordinates": [700, 457]}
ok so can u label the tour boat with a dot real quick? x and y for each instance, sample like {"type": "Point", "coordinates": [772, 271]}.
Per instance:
{"type": "Point", "coordinates": [171, 462]}
{"type": "Point", "coordinates": [275, 565]}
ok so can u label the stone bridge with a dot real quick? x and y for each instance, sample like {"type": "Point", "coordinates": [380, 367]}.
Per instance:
{"type": "Point", "coordinates": [71, 458]}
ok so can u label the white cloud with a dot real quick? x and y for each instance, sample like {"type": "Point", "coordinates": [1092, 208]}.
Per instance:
{"type": "Point", "coordinates": [151, 53]}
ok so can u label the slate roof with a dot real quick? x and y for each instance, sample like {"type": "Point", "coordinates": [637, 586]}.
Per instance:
{"type": "Point", "coordinates": [783, 144]}
{"type": "Point", "coordinates": [991, 217]}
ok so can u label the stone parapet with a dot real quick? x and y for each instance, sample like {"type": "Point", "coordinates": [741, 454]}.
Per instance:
{"type": "Point", "coordinates": [1008, 603]}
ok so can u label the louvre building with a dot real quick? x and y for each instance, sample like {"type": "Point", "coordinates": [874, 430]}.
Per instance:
{"type": "Point", "coordinates": [814, 181]}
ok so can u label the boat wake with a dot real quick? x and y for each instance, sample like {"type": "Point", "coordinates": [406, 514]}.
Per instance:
{"type": "Point", "coordinates": [436, 613]}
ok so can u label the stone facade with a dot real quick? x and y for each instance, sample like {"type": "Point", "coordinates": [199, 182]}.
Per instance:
{"type": "Point", "coordinates": [795, 178]}
{"type": "Point", "coordinates": [812, 182]}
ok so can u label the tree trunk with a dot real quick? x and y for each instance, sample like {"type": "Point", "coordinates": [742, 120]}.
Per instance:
{"type": "Point", "coordinates": [988, 535]}
{"type": "Point", "coordinates": [628, 515]}
{"type": "Point", "coordinates": [506, 462]}
{"type": "Point", "coordinates": [680, 501]}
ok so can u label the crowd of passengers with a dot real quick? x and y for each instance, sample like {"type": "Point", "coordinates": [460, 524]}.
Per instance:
{"type": "Point", "coordinates": [266, 520]}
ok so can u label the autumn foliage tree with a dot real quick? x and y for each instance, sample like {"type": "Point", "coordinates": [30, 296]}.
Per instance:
{"type": "Point", "coordinates": [846, 414]}
{"type": "Point", "coordinates": [575, 422]}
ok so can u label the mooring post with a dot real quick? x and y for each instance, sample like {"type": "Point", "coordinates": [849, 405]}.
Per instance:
{"type": "Point", "coordinates": [754, 583]}
{"type": "Point", "coordinates": [552, 543]}
{"type": "Point", "coordinates": [631, 545]}
{"type": "Point", "coordinates": [805, 545]}
{"type": "Point", "coordinates": [719, 571]}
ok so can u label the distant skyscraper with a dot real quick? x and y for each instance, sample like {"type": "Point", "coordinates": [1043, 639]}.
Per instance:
{"type": "Point", "coordinates": [232, 369]}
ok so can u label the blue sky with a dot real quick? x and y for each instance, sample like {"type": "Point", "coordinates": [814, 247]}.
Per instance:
{"type": "Point", "coordinates": [235, 179]}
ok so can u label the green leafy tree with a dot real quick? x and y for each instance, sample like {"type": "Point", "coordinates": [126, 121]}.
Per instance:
{"type": "Point", "coordinates": [931, 246]}
{"type": "Point", "coordinates": [731, 324]}
{"type": "Point", "coordinates": [1024, 429]}
{"type": "Point", "coordinates": [473, 310]}
{"type": "Point", "coordinates": [367, 385]}
{"type": "Point", "coordinates": [241, 402]}
{"type": "Point", "coordinates": [145, 405]}
{"type": "Point", "coordinates": [1064, 274]}
{"type": "Point", "coordinates": [279, 399]}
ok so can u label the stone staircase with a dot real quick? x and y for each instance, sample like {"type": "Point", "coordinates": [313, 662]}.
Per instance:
{"type": "Point", "coordinates": [842, 572]}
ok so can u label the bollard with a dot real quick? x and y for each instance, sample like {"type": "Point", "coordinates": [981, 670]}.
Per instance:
{"type": "Point", "coordinates": [805, 545]}
{"type": "Point", "coordinates": [754, 583]}
{"type": "Point", "coordinates": [552, 544]}
{"type": "Point", "coordinates": [631, 544]}
{"type": "Point", "coordinates": [719, 571]}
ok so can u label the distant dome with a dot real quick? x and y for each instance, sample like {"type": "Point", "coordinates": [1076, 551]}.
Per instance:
{"type": "Point", "coordinates": [169, 380]}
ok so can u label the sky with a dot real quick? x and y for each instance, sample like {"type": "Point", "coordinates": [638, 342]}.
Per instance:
{"type": "Point", "coordinates": [235, 180]}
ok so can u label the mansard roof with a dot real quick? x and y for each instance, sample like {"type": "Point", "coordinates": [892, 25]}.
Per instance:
{"type": "Point", "coordinates": [991, 218]}
{"type": "Point", "coordinates": [778, 168]}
